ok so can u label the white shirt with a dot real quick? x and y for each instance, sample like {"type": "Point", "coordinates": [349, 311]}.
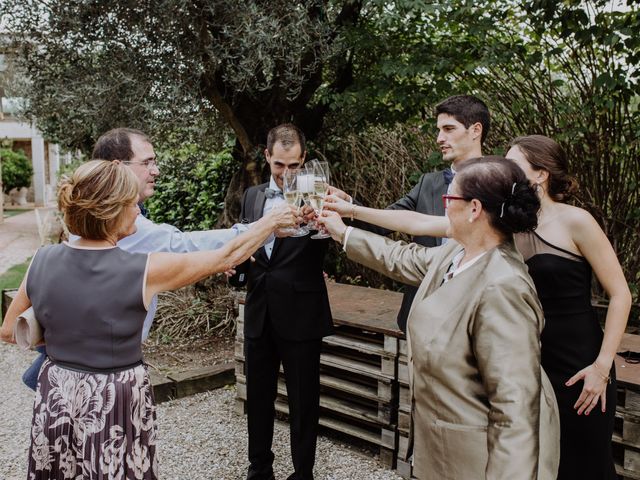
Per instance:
{"type": "Point", "coordinates": [445, 239]}
{"type": "Point", "coordinates": [160, 237]}
{"type": "Point", "coordinates": [268, 205]}
{"type": "Point", "coordinates": [455, 269]}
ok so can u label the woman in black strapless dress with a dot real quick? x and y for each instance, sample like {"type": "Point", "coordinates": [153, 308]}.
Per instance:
{"type": "Point", "coordinates": [577, 356]}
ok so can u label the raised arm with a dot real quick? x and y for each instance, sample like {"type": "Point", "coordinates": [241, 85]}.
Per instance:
{"type": "Point", "coordinates": [169, 271]}
{"type": "Point", "coordinates": [407, 263]}
{"type": "Point", "coordinates": [406, 221]}
{"type": "Point", "coordinates": [156, 237]}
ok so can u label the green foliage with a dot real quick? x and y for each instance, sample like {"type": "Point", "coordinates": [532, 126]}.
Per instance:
{"type": "Point", "coordinates": [69, 168]}
{"type": "Point", "coordinates": [16, 169]}
{"type": "Point", "coordinates": [191, 188]}
{"type": "Point", "coordinates": [158, 66]}
{"type": "Point", "coordinates": [563, 68]}
{"type": "Point", "coordinates": [12, 278]}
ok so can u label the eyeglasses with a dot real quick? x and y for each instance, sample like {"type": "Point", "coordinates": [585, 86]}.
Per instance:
{"type": "Point", "coordinates": [149, 163]}
{"type": "Point", "coordinates": [446, 199]}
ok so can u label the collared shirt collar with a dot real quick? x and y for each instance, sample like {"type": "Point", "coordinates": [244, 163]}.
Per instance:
{"type": "Point", "coordinates": [273, 185]}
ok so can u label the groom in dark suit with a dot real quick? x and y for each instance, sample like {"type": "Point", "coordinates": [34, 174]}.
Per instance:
{"type": "Point", "coordinates": [286, 315]}
{"type": "Point", "coordinates": [463, 124]}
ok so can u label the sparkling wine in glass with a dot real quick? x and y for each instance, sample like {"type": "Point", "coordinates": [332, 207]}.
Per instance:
{"type": "Point", "coordinates": [293, 196]}
{"type": "Point", "coordinates": [320, 187]}
{"type": "Point", "coordinates": [306, 185]}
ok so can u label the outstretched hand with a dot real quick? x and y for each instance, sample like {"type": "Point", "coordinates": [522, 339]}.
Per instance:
{"type": "Point", "coordinates": [336, 192]}
{"type": "Point", "coordinates": [232, 271]}
{"type": "Point", "coordinates": [308, 213]}
{"type": "Point", "coordinates": [332, 222]}
{"type": "Point", "coordinates": [337, 204]}
{"type": "Point", "coordinates": [593, 389]}
{"type": "Point", "coordinates": [285, 216]}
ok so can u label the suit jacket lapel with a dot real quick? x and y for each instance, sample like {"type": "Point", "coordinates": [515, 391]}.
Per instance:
{"type": "Point", "coordinates": [276, 247]}
{"type": "Point", "coordinates": [258, 204]}
{"type": "Point", "coordinates": [439, 189]}
{"type": "Point", "coordinates": [458, 287]}
{"type": "Point", "coordinates": [258, 210]}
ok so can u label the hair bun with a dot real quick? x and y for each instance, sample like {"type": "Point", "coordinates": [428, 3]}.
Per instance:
{"type": "Point", "coordinates": [65, 193]}
{"type": "Point", "coordinates": [519, 212]}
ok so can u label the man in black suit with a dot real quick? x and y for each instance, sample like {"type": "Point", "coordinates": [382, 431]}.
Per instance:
{"type": "Point", "coordinates": [286, 315]}
{"type": "Point", "coordinates": [463, 124]}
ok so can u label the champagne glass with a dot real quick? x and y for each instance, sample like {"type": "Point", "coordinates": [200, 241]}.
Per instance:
{"type": "Point", "coordinates": [306, 178]}
{"type": "Point", "coordinates": [320, 186]}
{"type": "Point", "coordinates": [293, 196]}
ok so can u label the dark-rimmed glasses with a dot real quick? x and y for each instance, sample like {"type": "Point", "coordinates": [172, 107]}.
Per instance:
{"type": "Point", "coordinates": [446, 199]}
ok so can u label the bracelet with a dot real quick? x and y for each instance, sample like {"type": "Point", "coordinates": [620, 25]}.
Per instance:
{"type": "Point", "coordinates": [606, 378]}
{"type": "Point", "coordinates": [353, 210]}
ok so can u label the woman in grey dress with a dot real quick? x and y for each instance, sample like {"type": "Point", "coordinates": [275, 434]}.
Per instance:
{"type": "Point", "coordinates": [94, 415]}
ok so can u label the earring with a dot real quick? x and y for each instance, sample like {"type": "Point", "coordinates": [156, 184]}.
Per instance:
{"type": "Point", "coordinates": [470, 219]}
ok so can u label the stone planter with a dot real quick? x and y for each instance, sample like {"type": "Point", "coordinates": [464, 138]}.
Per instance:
{"type": "Point", "coordinates": [19, 195]}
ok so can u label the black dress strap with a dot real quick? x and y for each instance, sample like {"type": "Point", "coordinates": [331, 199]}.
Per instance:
{"type": "Point", "coordinates": [558, 248]}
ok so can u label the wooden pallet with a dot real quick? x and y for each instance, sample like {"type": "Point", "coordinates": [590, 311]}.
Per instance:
{"type": "Point", "coordinates": [358, 373]}
{"type": "Point", "coordinates": [626, 436]}
{"type": "Point", "coordinates": [345, 415]}
{"type": "Point", "coordinates": [626, 432]}
{"type": "Point", "coordinates": [404, 468]}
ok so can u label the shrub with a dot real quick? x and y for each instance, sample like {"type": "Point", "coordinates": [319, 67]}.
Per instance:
{"type": "Point", "coordinates": [204, 309]}
{"type": "Point", "coordinates": [377, 166]}
{"type": "Point", "coordinates": [16, 169]}
{"type": "Point", "coordinates": [191, 188]}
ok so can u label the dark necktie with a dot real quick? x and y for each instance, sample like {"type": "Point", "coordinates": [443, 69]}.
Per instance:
{"type": "Point", "coordinates": [271, 193]}
{"type": "Point", "coordinates": [448, 175]}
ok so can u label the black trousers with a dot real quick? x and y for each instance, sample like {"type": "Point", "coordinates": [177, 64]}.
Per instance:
{"type": "Point", "coordinates": [301, 364]}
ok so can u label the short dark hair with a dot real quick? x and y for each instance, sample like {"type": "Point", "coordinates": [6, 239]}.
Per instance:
{"type": "Point", "coordinates": [467, 110]}
{"type": "Point", "coordinates": [116, 144]}
{"type": "Point", "coordinates": [288, 135]}
{"type": "Point", "coordinates": [504, 191]}
{"type": "Point", "coordinates": [543, 153]}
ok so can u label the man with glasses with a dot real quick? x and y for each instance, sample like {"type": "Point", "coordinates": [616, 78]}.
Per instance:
{"type": "Point", "coordinates": [133, 148]}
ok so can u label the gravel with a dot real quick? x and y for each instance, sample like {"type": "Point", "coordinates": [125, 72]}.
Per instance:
{"type": "Point", "coordinates": [201, 437]}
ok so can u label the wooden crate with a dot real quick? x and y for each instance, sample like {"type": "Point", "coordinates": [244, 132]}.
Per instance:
{"type": "Point", "coordinates": [403, 467]}
{"type": "Point", "coordinates": [341, 415]}
{"type": "Point", "coordinates": [626, 434]}
{"type": "Point", "coordinates": [7, 296]}
{"type": "Point", "coordinates": [358, 369]}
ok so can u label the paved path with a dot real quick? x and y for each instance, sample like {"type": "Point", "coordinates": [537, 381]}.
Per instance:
{"type": "Point", "coordinates": [19, 239]}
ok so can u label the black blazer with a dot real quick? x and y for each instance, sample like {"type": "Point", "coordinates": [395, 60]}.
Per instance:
{"type": "Point", "coordinates": [425, 197]}
{"type": "Point", "coordinates": [289, 286]}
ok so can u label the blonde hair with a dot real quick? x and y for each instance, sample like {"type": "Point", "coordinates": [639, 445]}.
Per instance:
{"type": "Point", "coordinates": [93, 199]}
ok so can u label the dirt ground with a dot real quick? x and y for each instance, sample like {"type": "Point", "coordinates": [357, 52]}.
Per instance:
{"type": "Point", "coordinates": [193, 353]}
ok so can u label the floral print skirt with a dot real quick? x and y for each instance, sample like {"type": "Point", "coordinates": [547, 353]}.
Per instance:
{"type": "Point", "coordinates": [93, 426]}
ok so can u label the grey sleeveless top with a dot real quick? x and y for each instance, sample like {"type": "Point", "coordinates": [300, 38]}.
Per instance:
{"type": "Point", "coordinates": [90, 305]}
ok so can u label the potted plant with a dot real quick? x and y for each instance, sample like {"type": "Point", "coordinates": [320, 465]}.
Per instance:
{"type": "Point", "coordinates": [16, 174]}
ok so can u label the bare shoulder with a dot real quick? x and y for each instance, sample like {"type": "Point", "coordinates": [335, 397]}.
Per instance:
{"type": "Point", "coordinates": [578, 219]}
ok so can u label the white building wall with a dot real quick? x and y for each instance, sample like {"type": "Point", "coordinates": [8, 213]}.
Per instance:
{"type": "Point", "coordinates": [14, 130]}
